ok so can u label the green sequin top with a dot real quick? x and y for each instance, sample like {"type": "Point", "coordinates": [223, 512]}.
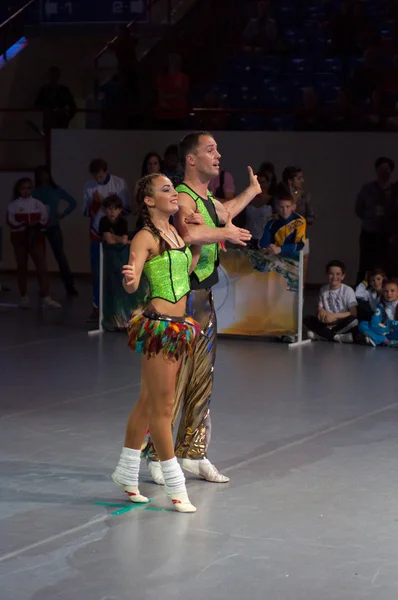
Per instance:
{"type": "Point", "coordinates": [208, 260]}
{"type": "Point", "coordinates": [168, 274]}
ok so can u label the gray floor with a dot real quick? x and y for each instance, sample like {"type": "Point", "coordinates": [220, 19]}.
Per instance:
{"type": "Point", "coordinates": [308, 437]}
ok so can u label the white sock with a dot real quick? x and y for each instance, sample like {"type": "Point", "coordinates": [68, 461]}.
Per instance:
{"type": "Point", "coordinates": [128, 468]}
{"type": "Point", "coordinates": [173, 477]}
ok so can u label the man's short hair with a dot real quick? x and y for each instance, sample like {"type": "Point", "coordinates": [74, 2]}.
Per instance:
{"type": "Point", "coordinates": [171, 150]}
{"type": "Point", "coordinates": [97, 165]}
{"type": "Point", "coordinates": [189, 144]}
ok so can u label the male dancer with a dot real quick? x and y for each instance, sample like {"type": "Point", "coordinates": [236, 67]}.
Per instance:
{"type": "Point", "coordinates": [200, 157]}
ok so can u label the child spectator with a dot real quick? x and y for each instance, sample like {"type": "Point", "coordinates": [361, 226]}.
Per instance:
{"type": "Point", "coordinates": [28, 219]}
{"type": "Point", "coordinates": [113, 228]}
{"type": "Point", "coordinates": [337, 308]}
{"type": "Point", "coordinates": [368, 294]}
{"type": "Point", "coordinates": [285, 232]}
{"type": "Point", "coordinates": [382, 330]}
{"type": "Point", "coordinates": [102, 185]}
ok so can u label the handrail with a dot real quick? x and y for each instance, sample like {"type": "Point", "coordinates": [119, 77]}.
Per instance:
{"type": "Point", "coordinates": [128, 26]}
{"type": "Point", "coordinates": [10, 19]}
{"type": "Point", "coordinates": [195, 110]}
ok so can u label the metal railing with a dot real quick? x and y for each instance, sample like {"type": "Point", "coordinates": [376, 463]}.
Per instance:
{"type": "Point", "coordinates": [12, 29]}
{"type": "Point", "coordinates": [108, 47]}
{"type": "Point", "coordinates": [25, 139]}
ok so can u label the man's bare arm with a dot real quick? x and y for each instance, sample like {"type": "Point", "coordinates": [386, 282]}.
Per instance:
{"type": "Point", "coordinates": [202, 234]}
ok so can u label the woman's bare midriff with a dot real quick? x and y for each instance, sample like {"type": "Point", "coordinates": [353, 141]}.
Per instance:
{"type": "Point", "coordinates": [168, 308]}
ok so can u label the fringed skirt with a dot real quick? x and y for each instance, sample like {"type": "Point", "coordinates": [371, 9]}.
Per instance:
{"type": "Point", "coordinates": [151, 333]}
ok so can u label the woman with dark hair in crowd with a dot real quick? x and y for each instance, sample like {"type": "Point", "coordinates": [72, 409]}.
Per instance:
{"type": "Point", "coordinates": [51, 195]}
{"type": "Point", "coordinates": [151, 164]}
{"type": "Point", "coordinates": [293, 180]}
{"type": "Point", "coordinates": [27, 218]}
{"type": "Point", "coordinates": [261, 207]}
{"type": "Point", "coordinates": [161, 332]}
{"type": "Point", "coordinates": [267, 169]}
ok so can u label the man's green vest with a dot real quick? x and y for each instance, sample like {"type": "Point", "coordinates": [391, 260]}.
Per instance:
{"type": "Point", "coordinates": [209, 254]}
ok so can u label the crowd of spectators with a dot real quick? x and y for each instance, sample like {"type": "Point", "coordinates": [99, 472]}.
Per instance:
{"type": "Point", "coordinates": [279, 219]}
{"type": "Point", "coordinates": [314, 66]}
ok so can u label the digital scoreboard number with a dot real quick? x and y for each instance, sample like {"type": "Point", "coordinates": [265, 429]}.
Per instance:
{"type": "Point", "coordinates": [93, 11]}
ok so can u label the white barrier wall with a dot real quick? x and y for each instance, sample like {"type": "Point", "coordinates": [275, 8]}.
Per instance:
{"type": "Point", "coordinates": [335, 165]}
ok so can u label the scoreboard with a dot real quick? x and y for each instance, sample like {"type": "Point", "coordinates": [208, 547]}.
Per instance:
{"type": "Point", "coordinates": [62, 12]}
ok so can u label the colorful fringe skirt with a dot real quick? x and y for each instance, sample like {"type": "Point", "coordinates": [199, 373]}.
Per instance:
{"type": "Point", "coordinates": [151, 333]}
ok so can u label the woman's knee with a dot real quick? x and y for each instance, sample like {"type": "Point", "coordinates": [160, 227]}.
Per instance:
{"type": "Point", "coordinates": [163, 407]}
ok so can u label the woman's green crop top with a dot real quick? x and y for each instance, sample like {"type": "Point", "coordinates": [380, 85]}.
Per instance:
{"type": "Point", "coordinates": [168, 274]}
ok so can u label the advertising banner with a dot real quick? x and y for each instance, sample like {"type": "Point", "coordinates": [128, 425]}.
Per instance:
{"type": "Point", "coordinates": [257, 294]}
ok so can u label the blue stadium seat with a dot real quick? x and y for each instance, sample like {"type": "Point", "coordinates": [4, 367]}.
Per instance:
{"type": "Point", "coordinates": [325, 80]}
{"type": "Point", "coordinates": [282, 123]}
{"type": "Point", "coordinates": [299, 64]}
{"type": "Point", "coordinates": [248, 123]}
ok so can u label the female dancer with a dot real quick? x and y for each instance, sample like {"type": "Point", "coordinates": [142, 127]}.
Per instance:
{"type": "Point", "coordinates": [160, 332]}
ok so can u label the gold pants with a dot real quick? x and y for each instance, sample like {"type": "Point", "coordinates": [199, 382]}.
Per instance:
{"type": "Point", "coordinates": [195, 384]}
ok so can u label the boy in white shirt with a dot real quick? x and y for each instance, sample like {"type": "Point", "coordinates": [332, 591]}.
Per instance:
{"type": "Point", "coordinates": [96, 190]}
{"type": "Point", "coordinates": [337, 308]}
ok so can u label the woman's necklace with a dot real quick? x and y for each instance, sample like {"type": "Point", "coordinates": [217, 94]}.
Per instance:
{"type": "Point", "coordinates": [175, 242]}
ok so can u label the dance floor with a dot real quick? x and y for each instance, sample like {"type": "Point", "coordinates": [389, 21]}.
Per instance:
{"type": "Point", "coordinates": [308, 437]}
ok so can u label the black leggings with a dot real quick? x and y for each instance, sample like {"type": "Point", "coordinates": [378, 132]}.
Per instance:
{"type": "Point", "coordinates": [327, 333]}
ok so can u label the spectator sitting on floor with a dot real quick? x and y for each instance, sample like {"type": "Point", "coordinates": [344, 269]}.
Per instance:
{"type": "Point", "coordinates": [27, 218]}
{"type": "Point", "coordinates": [52, 196]}
{"type": "Point", "coordinates": [172, 167]}
{"type": "Point", "coordinates": [285, 232]}
{"type": "Point", "coordinates": [113, 228]}
{"type": "Point", "coordinates": [337, 308]}
{"type": "Point", "coordinates": [57, 100]}
{"type": "Point", "coordinates": [151, 164]}
{"type": "Point", "coordinates": [382, 330]}
{"type": "Point", "coordinates": [368, 294]}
